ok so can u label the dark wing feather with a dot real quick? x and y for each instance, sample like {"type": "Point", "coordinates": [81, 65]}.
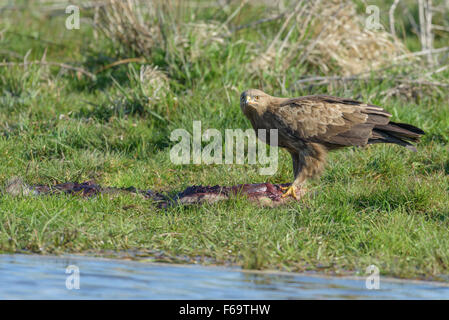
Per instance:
{"type": "Point", "coordinates": [398, 133]}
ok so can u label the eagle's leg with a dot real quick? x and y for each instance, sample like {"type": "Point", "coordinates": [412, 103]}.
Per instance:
{"type": "Point", "coordinates": [307, 163]}
{"type": "Point", "coordinates": [299, 178]}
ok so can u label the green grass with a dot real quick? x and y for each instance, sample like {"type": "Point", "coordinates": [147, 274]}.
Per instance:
{"type": "Point", "coordinates": [381, 205]}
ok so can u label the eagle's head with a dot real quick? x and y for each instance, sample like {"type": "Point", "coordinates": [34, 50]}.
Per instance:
{"type": "Point", "coordinates": [254, 99]}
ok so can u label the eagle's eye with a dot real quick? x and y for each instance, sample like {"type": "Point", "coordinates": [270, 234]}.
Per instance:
{"type": "Point", "coordinates": [256, 97]}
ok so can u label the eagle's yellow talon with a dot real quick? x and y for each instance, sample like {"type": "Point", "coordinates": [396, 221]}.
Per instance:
{"type": "Point", "coordinates": [290, 192]}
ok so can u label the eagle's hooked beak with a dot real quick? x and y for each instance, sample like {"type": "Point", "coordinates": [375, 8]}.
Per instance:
{"type": "Point", "coordinates": [248, 99]}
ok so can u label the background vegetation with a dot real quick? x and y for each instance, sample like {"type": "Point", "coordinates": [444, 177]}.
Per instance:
{"type": "Point", "coordinates": [100, 103]}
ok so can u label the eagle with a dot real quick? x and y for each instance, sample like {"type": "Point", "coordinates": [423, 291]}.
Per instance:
{"type": "Point", "coordinates": [311, 126]}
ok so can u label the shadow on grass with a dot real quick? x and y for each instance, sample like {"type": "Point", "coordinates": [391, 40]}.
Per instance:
{"type": "Point", "coordinates": [391, 199]}
{"type": "Point", "coordinates": [415, 201]}
{"type": "Point", "coordinates": [94, 63]}
{"type": "Point", "coordinates": [118, 108]}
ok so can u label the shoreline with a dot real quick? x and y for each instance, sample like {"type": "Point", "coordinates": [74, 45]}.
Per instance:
{"type": "Point", "coordinates": [232, 268]}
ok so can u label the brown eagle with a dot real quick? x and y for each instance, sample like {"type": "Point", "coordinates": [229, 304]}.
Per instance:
{"type": "Point", "coordinates": [310, 126]}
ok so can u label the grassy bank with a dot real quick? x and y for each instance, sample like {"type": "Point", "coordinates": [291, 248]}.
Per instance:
{"type": "Point", "coordinates": [381, 205]}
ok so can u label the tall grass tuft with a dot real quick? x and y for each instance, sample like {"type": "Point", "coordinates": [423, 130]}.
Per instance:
{"type": "Point", "coordinates": [330, 37]}
{"type": "Point", "coordinates": [132, 23]}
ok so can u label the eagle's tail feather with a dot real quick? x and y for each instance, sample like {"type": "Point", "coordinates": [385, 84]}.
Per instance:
{"type": "Point", "coordinates": [397, 133]}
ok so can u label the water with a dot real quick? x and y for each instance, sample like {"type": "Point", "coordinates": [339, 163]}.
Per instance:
{"type": "Point", "coordinates": [44, 277]}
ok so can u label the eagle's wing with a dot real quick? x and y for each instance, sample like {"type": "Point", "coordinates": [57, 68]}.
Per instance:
{"type": "Point", "coordinates": [330, 120]}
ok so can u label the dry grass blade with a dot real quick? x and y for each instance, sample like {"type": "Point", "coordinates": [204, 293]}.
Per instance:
{"type": "Point", "coordinates": [117, 63]}
{"type": "Point", "coordinates": [326, 80]}
{"type": "Point", "coordinates": [50, 63]}
{"type": "Point", "coordinates": [154, 83]}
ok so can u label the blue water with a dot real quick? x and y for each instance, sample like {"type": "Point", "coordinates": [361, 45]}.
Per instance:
{"type": "Point", "coordinates": [44, 277]}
